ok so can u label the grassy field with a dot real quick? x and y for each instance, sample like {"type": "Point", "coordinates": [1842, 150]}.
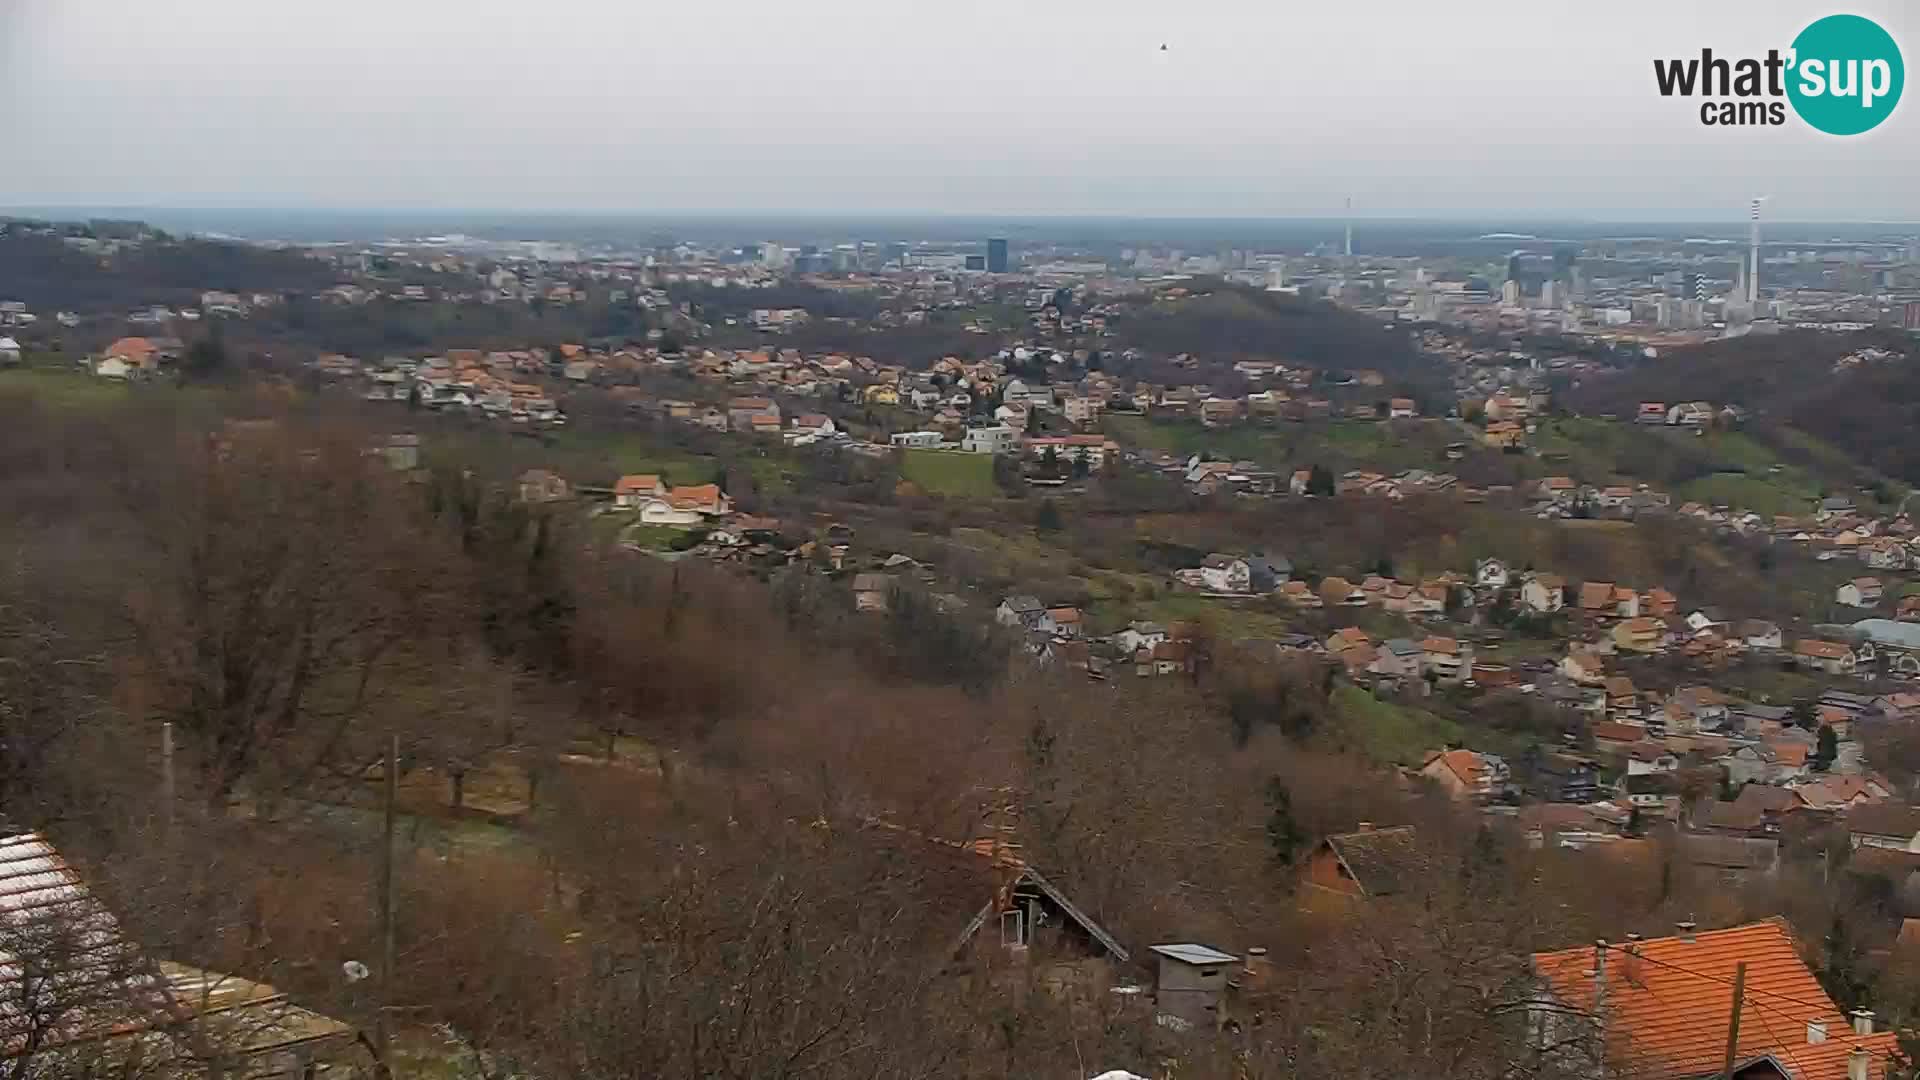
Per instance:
{"type": "Point", "coordinates": [633, 452]}
{"type": "Point", "coordinates": [656, 537]}
{"type": "Point", "coordinates": [62, 386]}
{"type": "Point", "coordinates": [1230, 619]}
{"type": "Point", "coordinates": [1388, 732]}
{"type": "Point", "coordinates": [942, 472]}
{"type": "Point", "coordinates": [1338, 444]}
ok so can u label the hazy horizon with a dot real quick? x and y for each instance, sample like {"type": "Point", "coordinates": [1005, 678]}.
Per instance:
{"type": "Point", "coordinates": [1516, 111]}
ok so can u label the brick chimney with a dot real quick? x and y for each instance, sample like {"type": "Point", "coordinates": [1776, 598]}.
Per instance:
{"type": "Point", "coordinates": [1859, 1064]}
{"type": "Point", "coordinates": [1862, 1021]}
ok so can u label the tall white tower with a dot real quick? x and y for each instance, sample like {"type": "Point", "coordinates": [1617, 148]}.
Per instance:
{"type": "Point", "coordinates": [1349, 228]}
{"type": "Point", "coordinates": [1753, 255]}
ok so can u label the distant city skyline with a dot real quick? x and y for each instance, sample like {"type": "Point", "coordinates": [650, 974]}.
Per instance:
{"type": "Point", "coordinates": [1514, 111]}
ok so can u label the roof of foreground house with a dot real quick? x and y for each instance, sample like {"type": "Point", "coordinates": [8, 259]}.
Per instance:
{"type": "Point", "coordinates": [1666, 1004]}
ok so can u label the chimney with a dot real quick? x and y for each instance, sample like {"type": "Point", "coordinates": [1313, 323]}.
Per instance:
{"type": "Point", "coordinates": [1687, 927]}
{"type": "Point", "coordinates": [1862, 1021]}
{"type": "Point", "coordinates": [1858, 1062]}
{"type": "Point", "coordinates": [1600, 959]}
{"type": "Point", "coordinates": [1258, 967]}
{"type": "Point", "coordinates": [1364, 826]}
{"type": "Point", "coordinates": [1816, 1032]}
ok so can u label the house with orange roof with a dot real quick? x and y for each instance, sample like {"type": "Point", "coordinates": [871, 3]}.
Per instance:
{"type": "Point", "coordinates": [1584, 666]}
{"type": "Point", "coordinates": [1364, 864]}
{"type": "Point", "coordinates": [1621, 694]}
{"type": "Point", "coordinates": [1339, 592]}
{"type": "Point", "coordinates": [707, 500]}
{"type": "Point", "coordinates": [1300, 595]}
{"type": "Point", "coordinates": [1660, 1009]}
{"type": "Point", "coordinates": [1348, 638]}
{"type": "Point", "coordinates": [1445, 658]}
{"type": "Point", "coordinates": [1597, 598]}
{"type": "Point", "coordinates": [632, 490]}
{"type": "Point", "coordinates": [1827, 656]}
{"type": "Point", "coordinates": [1640, 635]}
{"type": "Point", "coordinates": [1504, 435]}
{"type": "Point", "coordinates": [1465, 775]}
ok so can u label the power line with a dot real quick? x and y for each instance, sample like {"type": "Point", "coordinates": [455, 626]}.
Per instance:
{"type": "Point", "coordinates": [1822, 1006]}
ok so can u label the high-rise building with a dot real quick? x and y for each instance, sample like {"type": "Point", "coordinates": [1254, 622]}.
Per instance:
{"type": "Point", "coordinates": [1563, 263]}
{"type": "Point", "coordinates": [1910, 319]}
{"type": "Point", "coordinates": [1510, 293]}
{"type": "Point", "coordinates": [1513, 267]}
{"type": "Point", "coordinates": [997, 256]}
{"type": "Point", "coordinates": [1696, 287]}
{"type": "Point", "coordinates": [1549, 294]}
{"type": "Point", "coordinates": [976, 262]}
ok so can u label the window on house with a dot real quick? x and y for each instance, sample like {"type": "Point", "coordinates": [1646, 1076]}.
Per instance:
{"type": "Point", "coordinates": [1013, 928]}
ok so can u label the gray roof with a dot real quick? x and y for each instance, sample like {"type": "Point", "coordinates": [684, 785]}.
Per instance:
{"type": "Point", "coordinates": [1904, 635]}
{"type": "Point", "coordinates": [1023, 602]}
{"type": "Point", "coordinates": [1379, 860]}
{"type": "Point", "coordinates": [1729, 852]}
{"type": "Point", "coordinates": [1194, 954]}
{"type": "Point", "coordinates": [1403, 647]}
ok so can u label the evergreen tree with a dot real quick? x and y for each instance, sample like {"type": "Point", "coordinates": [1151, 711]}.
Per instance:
{"type": "Point", "coordinates": [1048, 517]}
{"type": "Point", "coordinates": [1826, 748]}
{"type": "Point", "coordinates": [1283, 832]}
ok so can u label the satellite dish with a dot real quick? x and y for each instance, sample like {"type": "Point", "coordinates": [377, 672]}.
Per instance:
{"type": "Point", "coordinates": [354, 970]}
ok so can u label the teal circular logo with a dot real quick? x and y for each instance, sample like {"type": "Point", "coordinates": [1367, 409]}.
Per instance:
{"type": "Point", "coordinates": [1846, 75]}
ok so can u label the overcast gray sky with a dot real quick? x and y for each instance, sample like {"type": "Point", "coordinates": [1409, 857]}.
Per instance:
{"type": "Point", "coordinates": [1275, 107]}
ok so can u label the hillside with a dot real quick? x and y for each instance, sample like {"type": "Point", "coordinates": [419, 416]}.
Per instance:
{"type": "Point", "coordinates": [47, 272]}
{"type": "Point", "coordinates": [1796, 381]}
{"type": "Point", "coordinates": [1233, 322]}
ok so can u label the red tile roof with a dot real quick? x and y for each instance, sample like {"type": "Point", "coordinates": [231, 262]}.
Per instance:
{"type": "Point", "coordinates": [1667, 1007]}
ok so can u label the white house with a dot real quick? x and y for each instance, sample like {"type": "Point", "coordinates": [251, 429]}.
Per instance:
{"type": "Point", "coordinates": [1138, 634]}
{"type": "Point", "coordinates": [998, 439]}
{"type": "Point", "coordinates": [918, 440]}
{"type": "Point", "coordinates": [1490, 574]}
{"type": "Point", "coordinates": [819, 425]}
{"type": "Point", "coordinates": [662, 512]}
{"type": "Point", "coordinates": [1544, 593]}
{"type": "Point", "coordinates": [1861, 592]}
{"type": "Point", "coordinates": [1020, 609]}
{"type": "Point", "coordinates": [1226, 574]}
{"type": "Point", "coordinates": [9, 351]}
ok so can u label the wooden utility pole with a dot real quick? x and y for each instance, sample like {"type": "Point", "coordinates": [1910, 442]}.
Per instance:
{"type": "Point", "coordinates": [1733, 1021]}
{"type": "Point", "coordinates": [382, 1037]}
{"type": "Point", "coordinates": [166, 777]}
